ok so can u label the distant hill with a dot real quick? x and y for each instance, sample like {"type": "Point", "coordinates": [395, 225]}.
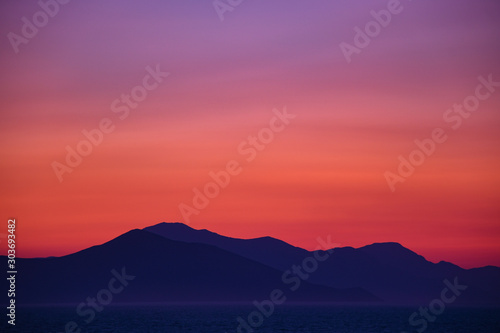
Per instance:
{"type": "Point", "coordinates": [165, 271]}
{"type": "Point", "coordinates": [267, 250]}
{"type": "Point", "coordinates": [172, 262]}
{"type": "Point", "coordinates": [389, 271]}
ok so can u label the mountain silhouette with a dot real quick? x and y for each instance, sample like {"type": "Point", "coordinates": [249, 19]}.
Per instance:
{"type": "Point", "coordinates": [162, 270]}
{"type": "Point", "coordinates": [389, 271]}
{"type": "Point", "coordinates": [172, 262]}
{"type": "Point", "coordinates": [267, 250]}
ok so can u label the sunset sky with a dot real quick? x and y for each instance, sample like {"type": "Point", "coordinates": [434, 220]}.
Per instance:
{"type": "Point", "coordinates": [323, 174]}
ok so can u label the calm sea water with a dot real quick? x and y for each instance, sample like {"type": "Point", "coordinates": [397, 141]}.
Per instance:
{"type": "Point", "coordinates": [223, 318]}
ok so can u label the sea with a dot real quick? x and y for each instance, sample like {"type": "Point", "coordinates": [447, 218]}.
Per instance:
{"type": "Point", "coordinates": [248, 319]}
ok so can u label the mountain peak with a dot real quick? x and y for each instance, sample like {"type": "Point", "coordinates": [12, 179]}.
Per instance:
{"type": "Point", "coordinates": [386, 245]}
{"type": "Point", "coordinates": [389, 248]}
{"type": "Point", "coordinates": [179, 225]}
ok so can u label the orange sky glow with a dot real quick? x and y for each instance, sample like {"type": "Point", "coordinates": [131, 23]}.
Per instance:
{"type": "Point", "coordinates": [323, 174]}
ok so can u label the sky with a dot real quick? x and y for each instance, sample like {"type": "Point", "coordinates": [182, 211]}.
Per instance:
{"type": "Point", "coordinates": [216, 79]}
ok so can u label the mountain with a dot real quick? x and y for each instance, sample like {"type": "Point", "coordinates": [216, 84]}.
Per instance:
{"type": "Point", "coordinates": [398, 275]}
{"type": "Point", "coordinates": [267, 250]}
{"type": "Point", "coordinates": [389, 271]}
{"type": "Point", "coordinates": [156, 269]}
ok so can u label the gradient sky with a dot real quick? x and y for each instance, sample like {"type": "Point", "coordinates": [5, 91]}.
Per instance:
{"type": "Point", "coordinates": [323, 175]}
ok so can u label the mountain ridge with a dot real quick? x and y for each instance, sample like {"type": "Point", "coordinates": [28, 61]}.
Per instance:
{"type": "Point", "coordinates": [388, 270]}
{"type": "Point", "coordinates": [176, 263]}
{"type": "Point", "coordinates": [164, 271]}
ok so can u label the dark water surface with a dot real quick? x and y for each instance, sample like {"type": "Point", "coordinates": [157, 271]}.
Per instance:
{"type": "Point", "coordinates": [223, 318]}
